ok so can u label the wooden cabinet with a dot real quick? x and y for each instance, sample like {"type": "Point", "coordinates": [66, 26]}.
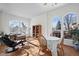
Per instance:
{"type": "Point", "coordinates": [37, 30]}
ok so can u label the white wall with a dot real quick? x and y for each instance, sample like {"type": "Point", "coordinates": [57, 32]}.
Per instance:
{"type": "Point", "coordinates": [45, 19]}
{"type": "Point", "coordinates": [7, 17]}
{"type": "Point", "coordinates": [40, 20]}
{"type": "Point", "coordinates": [0, 21]}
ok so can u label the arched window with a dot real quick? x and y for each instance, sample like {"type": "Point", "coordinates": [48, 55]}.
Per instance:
{"type": "Point", "coordinates": [69, 20]}
{"type": "Point", "coordinates": [56, 26]}
{"type": "Point", "coordinates": [56, 22]}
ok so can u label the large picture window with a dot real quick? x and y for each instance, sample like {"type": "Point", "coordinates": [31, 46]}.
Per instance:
{"type": "Point", "coordinates": [17, 27]}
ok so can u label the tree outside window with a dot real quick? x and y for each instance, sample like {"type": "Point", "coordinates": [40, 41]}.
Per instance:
{"type": "Point", "coordinates": [17, 27]}
{"type": "Point", "coordinates": [56, 26]}
{"type": "Point", "coordinates": [69, 20]}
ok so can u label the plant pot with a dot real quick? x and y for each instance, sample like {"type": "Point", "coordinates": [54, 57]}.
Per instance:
{"type": "Point", "coordinates": [76, 46]}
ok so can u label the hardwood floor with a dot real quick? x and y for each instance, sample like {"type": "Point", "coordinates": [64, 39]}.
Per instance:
{"type": "Point", "coordinates": [70, 51]}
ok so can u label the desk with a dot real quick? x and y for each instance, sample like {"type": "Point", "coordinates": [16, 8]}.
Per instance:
{"type": "Point", "coordinates": [52, 44]}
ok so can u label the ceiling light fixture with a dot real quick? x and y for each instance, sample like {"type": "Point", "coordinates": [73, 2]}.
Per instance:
{"type": "Point", "coordinates": [50, 4]}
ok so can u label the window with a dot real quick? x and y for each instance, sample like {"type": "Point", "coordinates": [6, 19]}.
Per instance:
{"type": "Point", "coordinates": [69, 20]}
{"type": "Point", "coordinates": [17, 27]}
{"type": "Point", "coordinates": [56, 26]}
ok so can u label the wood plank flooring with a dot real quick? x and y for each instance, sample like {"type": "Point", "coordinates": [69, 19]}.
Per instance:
{"type": "Point", "coordinates": [70, 51]}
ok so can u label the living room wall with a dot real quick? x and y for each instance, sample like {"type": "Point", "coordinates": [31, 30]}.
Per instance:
{"type": "Point", "coordinates": [40, 20]}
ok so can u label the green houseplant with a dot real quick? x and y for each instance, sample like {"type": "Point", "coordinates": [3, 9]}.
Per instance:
{"type": "Point", "coordinates": [75, 37]}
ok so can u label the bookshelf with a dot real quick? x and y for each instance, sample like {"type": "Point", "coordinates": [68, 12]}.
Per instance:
{"type": "Point", "coordinates": [37, 30]}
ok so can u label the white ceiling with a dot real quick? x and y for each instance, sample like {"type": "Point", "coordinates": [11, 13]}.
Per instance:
{"type": "Point", "coordinates": [27, 10]}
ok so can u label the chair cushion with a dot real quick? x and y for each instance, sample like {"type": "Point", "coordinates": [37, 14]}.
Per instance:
{"type": "Point", "coordinates": [8, 50]}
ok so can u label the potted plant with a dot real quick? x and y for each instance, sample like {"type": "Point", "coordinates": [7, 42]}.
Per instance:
{"type": "Point", "coordinates": [75, 36]}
